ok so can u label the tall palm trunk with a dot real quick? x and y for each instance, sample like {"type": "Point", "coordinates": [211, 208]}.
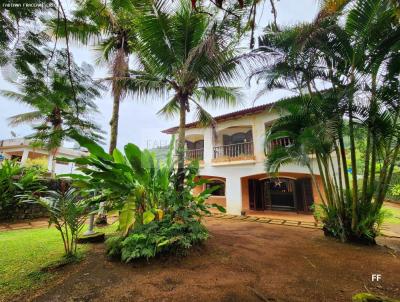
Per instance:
{"type": "Point", "coordinates": [354, 204]}
{"type": "Point", "coordinates": [119, 69]}
{"type": "Point", "coordinates": [114, 122]}
{"type": "Point", "coordinates": [183, 99]}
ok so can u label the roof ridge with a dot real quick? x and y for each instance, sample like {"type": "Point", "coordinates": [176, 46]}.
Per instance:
{"type": "Point", "coordinates": [226, 116]}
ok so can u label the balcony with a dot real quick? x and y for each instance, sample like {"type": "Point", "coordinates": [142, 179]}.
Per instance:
{"type": "Point", "coordinates": [234, 152]}
{"type": "Point", "coordinates": [279, 142]}
{"type": "Point", "coordinates": [194, 154]}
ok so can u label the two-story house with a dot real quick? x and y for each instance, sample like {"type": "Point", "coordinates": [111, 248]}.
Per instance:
{"type": "Point", "coordinates": [21, 150]}
{"type": "Point", "coordinates": [232, 155]}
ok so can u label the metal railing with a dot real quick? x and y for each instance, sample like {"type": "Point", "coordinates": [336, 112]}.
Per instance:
{"type": "Point", "coordinates": [195, 154]}
{"type": "Point", "coordinates": [282, 142]}
{"type": "Point", "coordinates": [234, 150]}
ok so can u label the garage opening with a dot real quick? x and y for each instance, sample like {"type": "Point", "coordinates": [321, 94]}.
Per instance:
{"type": "Point", "coordinates": [281, 194]}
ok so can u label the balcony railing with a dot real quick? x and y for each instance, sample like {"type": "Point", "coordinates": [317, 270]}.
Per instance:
{"type": "Point", "coordinates": [234, 151]}
{"type": "Point", "coordinates": [282, 142]}
{"type": "Point", "coordinates": [195, 154]}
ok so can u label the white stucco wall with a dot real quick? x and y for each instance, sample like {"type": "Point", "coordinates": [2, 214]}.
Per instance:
{"type": "Point", "coordinates": [233, 171]}
{"type": "Point", "coordinates": [22, 147]}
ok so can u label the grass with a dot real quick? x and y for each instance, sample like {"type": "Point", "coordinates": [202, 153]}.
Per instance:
{"type": "Point", "coordinates": [25, 255]}
{"type": "Point", "coordinates": [394, 214]}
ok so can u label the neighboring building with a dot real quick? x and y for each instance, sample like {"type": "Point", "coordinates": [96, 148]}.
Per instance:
{"type": "Point", "coordinates": [21, 150]}
{"type": "Point", "coordinates": [232, 155]}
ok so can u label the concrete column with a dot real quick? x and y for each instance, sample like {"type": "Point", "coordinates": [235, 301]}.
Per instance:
{"type": "Point", "coordinates": [208, 145]}
{"type": "Point", "coordinates": [25, 156]}
{"type": "Point", "coordinates": [50, 162]}
{"type": "Point", "coordinates": [233, 192]}
{"type": "Point", "coordinates": [259, 140]}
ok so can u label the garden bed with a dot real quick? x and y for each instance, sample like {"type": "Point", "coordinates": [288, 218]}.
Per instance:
{"type": "Point", "coordinates": [243, 261]}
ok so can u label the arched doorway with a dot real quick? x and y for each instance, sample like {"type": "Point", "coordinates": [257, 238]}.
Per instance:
{"type": "Point", "coordinates": [283, 193]}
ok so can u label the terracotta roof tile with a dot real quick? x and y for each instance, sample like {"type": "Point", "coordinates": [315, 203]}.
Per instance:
{"type": "Point", "coordinates": [227, 116]}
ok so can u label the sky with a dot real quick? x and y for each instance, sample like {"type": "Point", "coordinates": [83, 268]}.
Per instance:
{"type": "Point", "coordinates": [139, 122]}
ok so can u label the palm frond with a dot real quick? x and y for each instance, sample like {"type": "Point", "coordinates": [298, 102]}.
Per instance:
{"type": "Point", "coordinates": [29, 117]}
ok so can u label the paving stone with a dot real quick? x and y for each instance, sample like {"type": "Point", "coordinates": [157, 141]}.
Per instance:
{"type": "Point", "coordinates": [252, 219]}
{"type": "Point", "coordinates": [228, 216]}
{"type": "Point", "coordinates": [292, 222]}
{"type": "Point", "coordinates": [308, 226]}
{"type": "Point", "coordinates": [217, 215]}
{"type": "Point", "coordinates": [263, 220]}
{"type": "Point", "coordinates": [240, 217]}
{"type": "Point", "coordinates": [308, 223]}
{"type": "Point", "coordinates": [276, 221]}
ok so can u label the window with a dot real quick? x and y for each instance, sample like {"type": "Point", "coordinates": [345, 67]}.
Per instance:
{"type": "Point", "coordinates": [197, 145]}
{"type": "Point", "coordinates": [221, 187]}
{"type": "Point", "coordinates": [16, 157]}
{"type": "Point", "coordinates": [238, 138]}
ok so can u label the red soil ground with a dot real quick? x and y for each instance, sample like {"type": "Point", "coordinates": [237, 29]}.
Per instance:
{"type": "Point", "coordinates": [242, 261]}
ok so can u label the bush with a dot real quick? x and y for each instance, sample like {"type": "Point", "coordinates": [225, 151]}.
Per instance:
{"type": "Point", "coordinates": [67, 212]}
{"type": "Point", "coordinates": [16, 180]}
{"type": "Point", "coordinates": [393, 193]}
{"type": "Point", "coordinates": [157, 237]}
{"type": "Point", "coordinates": [158, 212]}
{"type": "Point", "coordinates": [338, 225]}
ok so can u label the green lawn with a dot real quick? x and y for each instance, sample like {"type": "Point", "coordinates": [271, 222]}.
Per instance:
{"type": "Point", "coordinates": [394, 213]}
{"type": "Point", "coordinates": [23, 255]}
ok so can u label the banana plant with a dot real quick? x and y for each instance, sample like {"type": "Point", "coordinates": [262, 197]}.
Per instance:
{"type": "Point", "coordinates": [141, 186]}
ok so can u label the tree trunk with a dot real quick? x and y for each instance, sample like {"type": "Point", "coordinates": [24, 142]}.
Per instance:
{"type": "Point", "coordinates": [344, 162]}
{"type": "Point", "coordinates": [114, 122]}
{"type": "Point", "coordinates": [119, 68]}
{"type": "Point", "coordinates": [364, 196]}
{"type": "Point", "coordinates": [181, 140]}
{"type": "Point", "coordinates": [354, 203]}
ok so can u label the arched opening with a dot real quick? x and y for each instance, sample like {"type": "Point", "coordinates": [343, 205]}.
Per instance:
{"type": "Point", "coordinates": [218, 196]}
{"type": "Point", "coordinates": [282, 193]}
{"type": "Point", "coordinates": [194, 147]}
{"type": "Point", "coordinates": [216, 183]}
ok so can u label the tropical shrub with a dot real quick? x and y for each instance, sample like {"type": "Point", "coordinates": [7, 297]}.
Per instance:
{"type": "Point", "coordinates": [346, 77]}
{"type": "Point", "coordinates": [148, 240]}
{"type": "Point", "coordinates": [16, 180]}
{"type": "Point", "coordinates": [395, 190]}
{"type": "Point", "coordinates": [39, 163]}
{"type": "Point", "coordinates": [67, 212]}
{"type": "Point", "coordinates": [153, 214]}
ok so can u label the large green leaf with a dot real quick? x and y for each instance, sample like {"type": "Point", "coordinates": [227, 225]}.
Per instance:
{"type": "Point", "coordinates": [134, 156]}
{"type": "Point", "coordinates": [92, 147]}
{"type": "Point", "coordinates": [148, 217]}
{"type": "Point", "coordinates": [127, 216]}
{"type": "Point", "coordinates": [118, 157]}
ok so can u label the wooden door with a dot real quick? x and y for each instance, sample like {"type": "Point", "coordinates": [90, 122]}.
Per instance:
{"type": "Point", "coordinates": [304, 194]}
{"type": "Point", "coordinates": [256, 195]}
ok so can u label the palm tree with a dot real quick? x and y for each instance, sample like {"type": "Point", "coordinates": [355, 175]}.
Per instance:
{"type": "Point", "coordinates": [332, 7]}
{"type": "Point", "coordinates": [186, 55]}
{"type": "Point", "coordinates": [359, 67]}
{"type": "Point", "coordinates": [106, 23]}
{"type": "Point", "coordinates": [59, 108]}
{"type": "Point", "coordinates": [13, 21]}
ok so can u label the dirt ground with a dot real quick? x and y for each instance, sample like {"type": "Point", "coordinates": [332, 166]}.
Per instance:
{"type": "Point", "coordinates": [243, 261]}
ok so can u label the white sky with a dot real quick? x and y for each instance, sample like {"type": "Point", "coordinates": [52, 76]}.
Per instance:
{"type": "Point", "coordinates": [139, 122]}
